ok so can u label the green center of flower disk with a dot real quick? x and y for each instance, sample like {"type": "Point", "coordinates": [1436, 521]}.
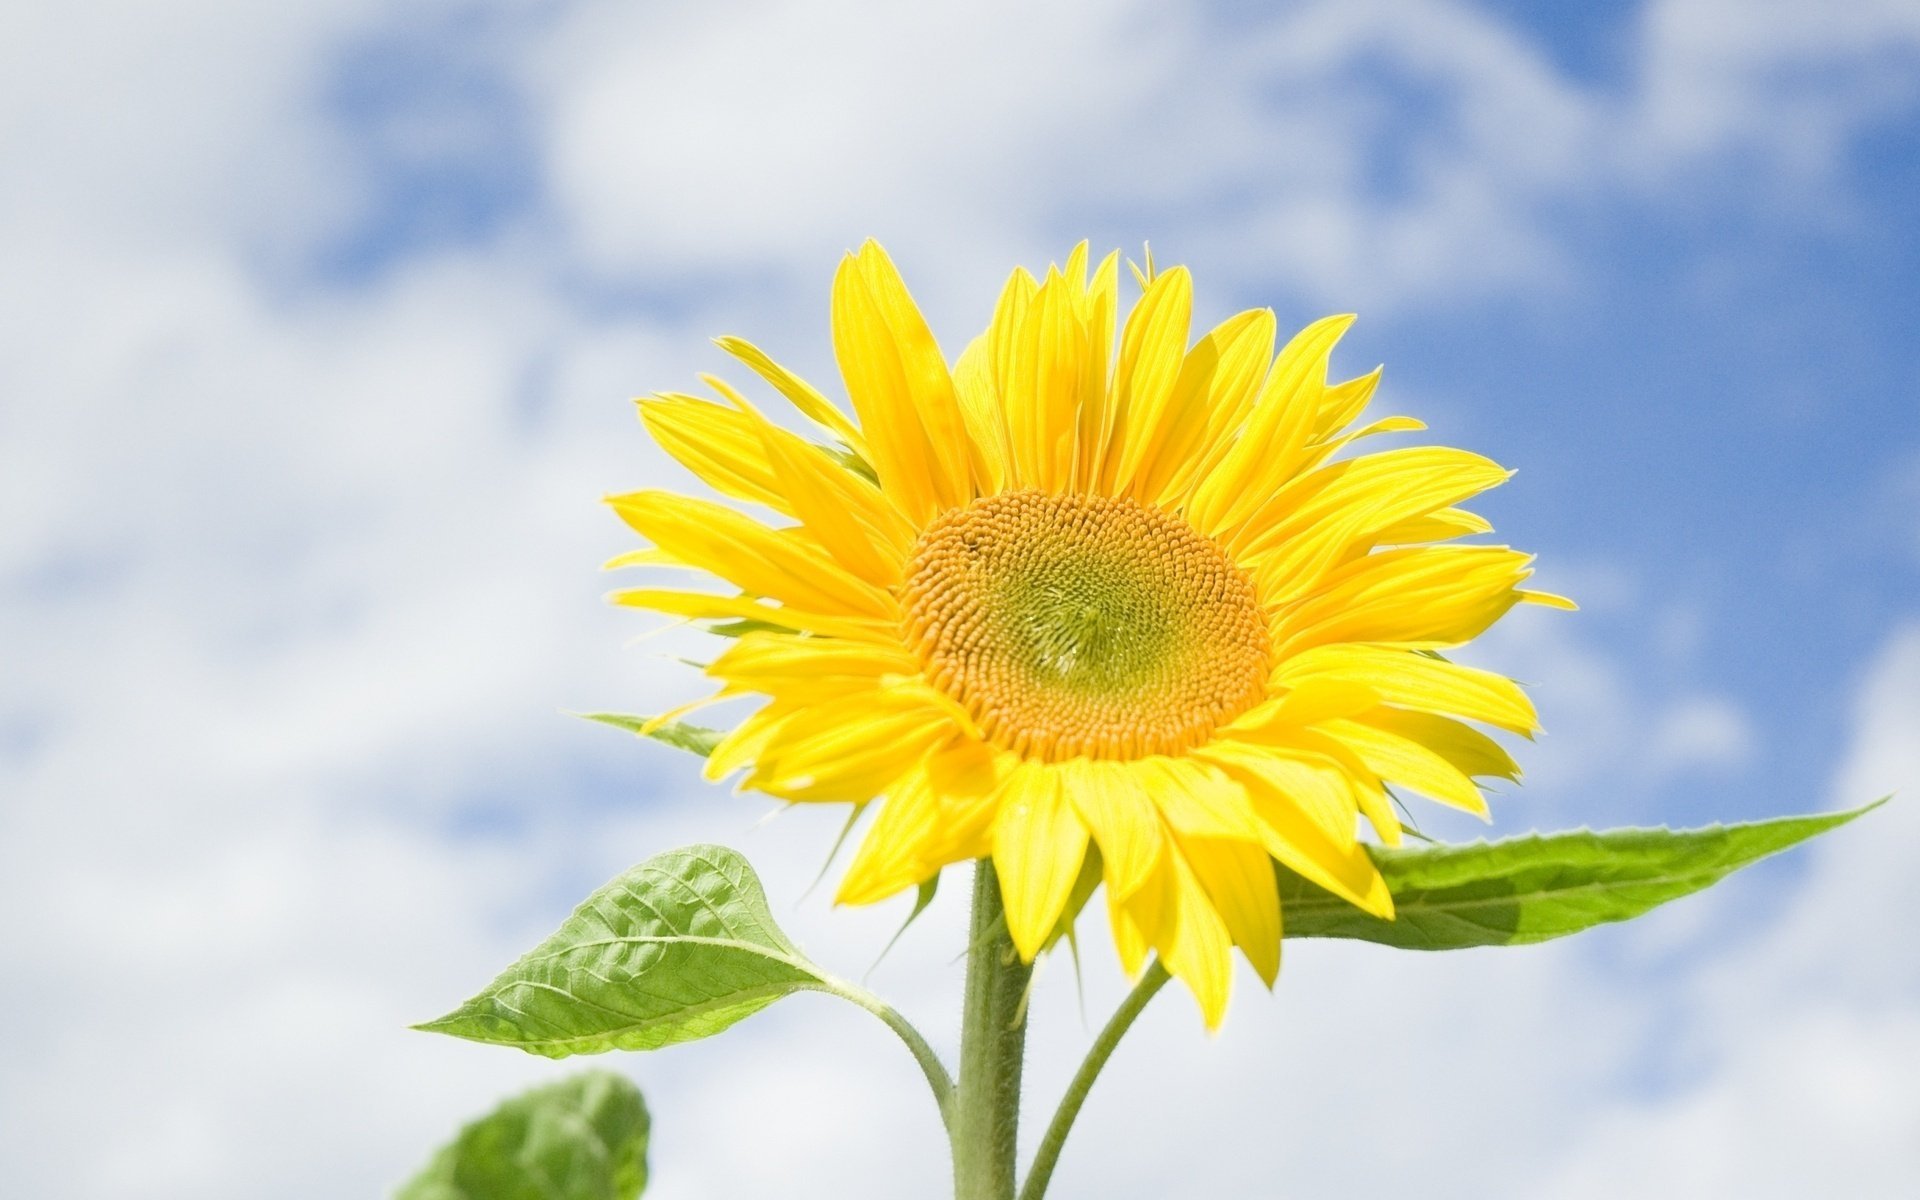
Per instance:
{"type": "Point", "coordinates": [1084, 625]}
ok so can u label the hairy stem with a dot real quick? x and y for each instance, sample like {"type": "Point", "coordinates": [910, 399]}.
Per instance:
{"type": "Point", "coordinates": [993, 1032]}
{"type": "Point", "coordinates": [930, 1064]}
{"type": "Point", "coordinates": [1063, 1117]}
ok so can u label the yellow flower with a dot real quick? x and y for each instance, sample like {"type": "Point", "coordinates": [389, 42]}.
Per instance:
{"type": "Point", "coordinates": [1114, 614]}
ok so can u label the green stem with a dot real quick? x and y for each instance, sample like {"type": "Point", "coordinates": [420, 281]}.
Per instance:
{"type": "Point", "coordinates": [1102, 1049]}
{"type": "Point", "coordinates": [930, 1064]}
{"type": "Point", "coordinates": [993, 1034]}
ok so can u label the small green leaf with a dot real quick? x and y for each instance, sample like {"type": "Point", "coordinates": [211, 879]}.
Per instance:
{"type": "Point", "coordinates": [744, 626]}
{"type": "Point", "coordinates": [1539, 887]}
{"type": "Point", "coordinates": [845, 456]}
{"type": "Point", "coordinates": [923, 896]}
{"type": "Point", "coordinates": [695, 739]}
{"type": "Point", "coordinates": [840, 840]}
{"type": "Point", "coordinates": [679, 947]}
{"type": "Point", "coordinates": [584, 1138]}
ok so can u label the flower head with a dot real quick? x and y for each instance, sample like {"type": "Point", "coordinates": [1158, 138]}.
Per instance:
{"type": "Point", "coordinates": [1118, 613]}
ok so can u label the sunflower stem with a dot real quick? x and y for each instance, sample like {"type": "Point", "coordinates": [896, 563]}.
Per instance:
{"type": "Point", "coordinates": [993, 1035]}
{"type": "Point", "coordinates": [1117, 1025]}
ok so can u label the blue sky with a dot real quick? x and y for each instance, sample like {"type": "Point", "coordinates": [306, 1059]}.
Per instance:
{"type": "Point", "coordinates": [319, 327]}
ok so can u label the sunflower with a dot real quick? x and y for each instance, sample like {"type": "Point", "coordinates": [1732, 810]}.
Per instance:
{"type": "Point", "coordinates": [1110, 615]}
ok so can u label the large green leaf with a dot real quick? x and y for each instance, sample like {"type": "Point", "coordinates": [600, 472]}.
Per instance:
{"type": "Point", "coordinates": [1539, 887]}
{"type": "Point", "coordinates": [584, 1138]}
{"type": "Point", "coordinates": [695, 739]}
{"type": "Point", "coordinates": [677, 948]}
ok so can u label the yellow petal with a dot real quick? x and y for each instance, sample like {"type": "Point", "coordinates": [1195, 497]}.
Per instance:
{"type": "Point", "coordinates": [979, 397]}
{"type": "Point", "coordinates": [1408, 680]}
{"type": "Point", "coordinates": [1195, 945]}
{"type": "Point", "coordinates": [782, 663]}
{"type": "Point", "coordinates": [1306, 701]}
{"type": "Point", "coordinates": [930, 385]}
{"type": "Point", "coordinates": [967, 776]}
{"type": "Point", "coordinates": [1407, 762]}
{"type": "Point", "coordinates": [744, 742]}
{"type": "Point", "coordinates": [1119, 816]}
{"type": "Point", "coordinates": [851, 747]}
{"type": "Point", "coordinates": [717, 444]}
{"type": "Point", "coordinates": [1038, 844]}
{"type": "Point", "coordinates": [850, 517]}
{"type": "Point", "coordinates": [756, 559]}
{"type": "Point", "coordinates": [1268, 451]}
{"type": "Point", "coordinates": [1348, 873]}
{"type": "Point", "coordinates": [1342, 403]}
{"type": "Point", "coordinates": [1310, 784]}
{"type": "Point", "coordinates": [1076, 268]}
{"type": "Point", "coordinates": [1043, 388]}
{"type": "Point", "coordinates": [1238, 878]}
{"type": "Point", "coordinates": [1299, 837]}
{"type": "Point", "coordinates": [1333, 761]}
{"type": "Point", "coordinates": [1211, 397]}
{"type": "Point", "coordinates": [899, 386]}
{"type": "Point", "coordinates": [801, 394]}
{"type": "Point", "coordinates": [700, 606]}
{"type": "Point", "coordinates": [1197, 799]}
{"type": "Point", "coordinates": [1319, 452]}
{"type": "Point", "coordinates": [1129, 938]}
{"type": "Point", "coordinates": [890, 858]}
{"type": "Point", "coordinates": [1152, 350]}
{"type": "Point", "coordinates": [1098, 306]}
{"type": "Point", "coordinates": [1424, 597]}
{"type": "Point", "coordinates": [641, 558]}
{"type": "Point", "coordinates": [1433, 527]}
{"type": "Point", "coordinates": [1003, 335]}
{"type": "Point", "coordinates": [1470, 751]}
{"type": "Point", "coordinates": [1313, 522]}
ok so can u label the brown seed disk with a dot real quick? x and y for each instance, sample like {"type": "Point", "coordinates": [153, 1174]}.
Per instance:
{"type": "Point", "coordinates": [1084, 625]}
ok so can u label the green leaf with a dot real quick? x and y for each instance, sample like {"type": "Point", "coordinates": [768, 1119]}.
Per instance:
{"type": "Point", "coordinates": [743, 626]}
{"type": "Point", "coordinates": [846, 831]}
{"type": "Point", "coordinates": [695, 739]}
{"type": "Point", "coordinates": [923, 896]}
{"type": "Point", "coordinates": [677, 948]}
{"type": "Point", "coordinates": [852, 462]}
{"type": "Point", "coordinates": [1535, 888]}
{"type": "Point", "coordinates": [584, 1138]}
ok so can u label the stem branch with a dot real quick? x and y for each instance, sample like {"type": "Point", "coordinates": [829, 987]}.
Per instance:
{"type": "Point", "coordinates": [930, 1064]}
{"type": "Point", "coordinates": [1102, 1049]}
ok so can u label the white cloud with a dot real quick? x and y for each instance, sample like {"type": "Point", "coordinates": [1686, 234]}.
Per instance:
{"type": "Point", "coordinates": [1783, 82]}
{"type": "Point", "coordinates": [755, 131]}
{"type": "Point", "coordinates": [1616, 736]}
{"type": "Point", "coordinates": [708, 139]}
{"type": "Point", "coordinates": [131, 125]}
{"type": "Point", "coordinates": [1702, 731]}
{"type": "Point", "coordinates": [1807, 1032]}
{"type": "Point", "coordinates": [1288, 149]}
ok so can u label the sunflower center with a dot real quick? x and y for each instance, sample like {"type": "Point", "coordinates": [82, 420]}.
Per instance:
{"type": "Point", "coordinates": [1082, 625]}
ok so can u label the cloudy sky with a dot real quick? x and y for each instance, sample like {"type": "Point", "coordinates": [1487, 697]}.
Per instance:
{"type": "Point", "coordinates": [318, 325]}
